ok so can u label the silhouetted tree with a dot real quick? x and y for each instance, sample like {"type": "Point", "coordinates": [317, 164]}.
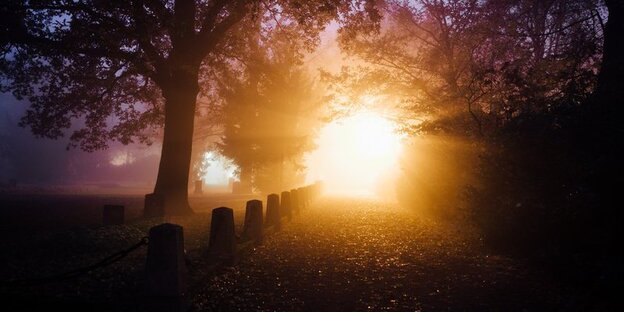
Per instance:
{"type": "Point", "coordinates": [465, 66]}
{"type": "Point", "coordinates": [113, 70]}
{"type": "Point", "coordinates": [610, 89]}
{"type": "Point", "coordinates": [268, 101]}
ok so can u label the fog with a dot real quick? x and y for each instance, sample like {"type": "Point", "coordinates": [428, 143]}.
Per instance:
{"type": "Point", "coordinates": [44, 163]}
{"type": "Point", "coordinates": [356, 155]}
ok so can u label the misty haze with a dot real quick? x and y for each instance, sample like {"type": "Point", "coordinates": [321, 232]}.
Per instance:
{"type": "Point", "coordinates": [287, 155]}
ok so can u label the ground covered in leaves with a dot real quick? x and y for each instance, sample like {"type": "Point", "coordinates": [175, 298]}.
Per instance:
{"type": "Point", "coordinates": [346, 254]}
{"type": "Point", "coordinates": [338, 255]}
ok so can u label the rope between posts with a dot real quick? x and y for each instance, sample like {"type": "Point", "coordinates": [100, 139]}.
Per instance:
{"type": "Point", "coordinates": [81, 271]}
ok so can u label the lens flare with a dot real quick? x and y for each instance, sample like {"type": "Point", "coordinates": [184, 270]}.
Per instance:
{"type": "Point", "coordinates": [356, 154]}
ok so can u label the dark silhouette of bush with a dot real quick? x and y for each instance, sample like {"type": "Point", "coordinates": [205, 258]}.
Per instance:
{"type": "Point", "coordinates": [549, 193]}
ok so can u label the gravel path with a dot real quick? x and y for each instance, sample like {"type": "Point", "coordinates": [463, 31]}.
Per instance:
{"type": "Point", "coordinates": [346, 255]}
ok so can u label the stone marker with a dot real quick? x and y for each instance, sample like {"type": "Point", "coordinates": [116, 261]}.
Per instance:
{"type": "Point", "coordinates": [199, 187]}
{"type": "Point", "coordinates": [165, 268]}
{"type": "Point", "coordinates": [253, 227]}
{"type": "Point", "coordinates": [113, 214]}
{"type": "Point", "coordinates": [302, 198]}
{"type": "Point", "coordinates": [222, 243]}
{"type": "Point", "coordinates": [301, 193]}
{"type": "Point", "coordinates": [154, 205]}
{"type": "Point", "coordinates": [309, 195]}
{"type": "Point", "coordinates": [236, 187]}
{"type": "Point", "coordinates": [285, 207]}
{"type": "Point", "coordinates": [273, 214]}
{"type": "Point", "coordinates": [319, 188]}
{"type": "Point", "coordinates": [294, 201]}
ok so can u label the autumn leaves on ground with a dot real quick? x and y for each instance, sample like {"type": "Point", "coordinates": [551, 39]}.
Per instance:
{"type": "Point", "coordinates": [340, 254]}
{"type": "Point", "coordinates": [357, 254]}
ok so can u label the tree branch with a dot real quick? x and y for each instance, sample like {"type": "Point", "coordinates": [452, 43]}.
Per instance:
{"type": "Point", "coordinates": [143, 38]}
{"type": "Point", "coordinates": [209, 38]}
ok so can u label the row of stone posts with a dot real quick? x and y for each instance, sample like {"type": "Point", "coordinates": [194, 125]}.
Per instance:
{"type": "Point", "coordinates": [222, 243]}
{"type": "Point", "coordinates": [291, 202]}
{"type": "Point", "coordinates": [166, 268]}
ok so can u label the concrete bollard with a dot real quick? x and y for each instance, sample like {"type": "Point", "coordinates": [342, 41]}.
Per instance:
{"type": "Point", "coordinates": [222, 242]}
{"type": "Point", "coordinates": [302, 198]}
{"type": "Point", "coordinates": [199, 187]}
{"type": "Point", "coordinates": [285, 207]}
{"type": "Point", "coordinates": [273, 214]}
{"type": "Point", "coordinates": [319, 188]}
{"type": "Point", "coordinates": [166, 274]}
{"type": "Point", "coordinates": [294, 201]}
{"type": "Point", "coordinates": [154, 205]}
{"type": "Point", "coordinates": [309, 195]}
{"type": "Point", "coordinates": [113, 214]}
{"type": "Point", "coordinates": [253, 227]}
{"type": "Point", "coordinates": [236, 187]}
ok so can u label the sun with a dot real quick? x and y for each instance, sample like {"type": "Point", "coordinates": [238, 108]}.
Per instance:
{"type": "Point", "coordinates": [355, 154]}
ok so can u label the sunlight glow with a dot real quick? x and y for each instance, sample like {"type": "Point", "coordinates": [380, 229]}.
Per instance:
{"type": "Point", "coordinates": [356, 155]}
{"type": "Point", "coordinates": [122, 158]}
{"type": "Point", "coordinates": [216, 170]}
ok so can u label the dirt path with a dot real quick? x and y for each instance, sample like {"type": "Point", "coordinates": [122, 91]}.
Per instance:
{"type": "Point", "coordinates": [345, 255]}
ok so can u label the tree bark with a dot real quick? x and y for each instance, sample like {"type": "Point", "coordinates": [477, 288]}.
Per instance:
{"type": "Point", "coordinates": [610, 89]}
{"type": "Point", "coordinates": [170, 195]}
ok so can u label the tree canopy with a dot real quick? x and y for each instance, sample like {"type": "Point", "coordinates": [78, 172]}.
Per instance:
{"type": "Point", "coordinates": [101, 68]}
{"type": "Point", "coordinates": [464, 66]}
{"type": "Point", "coordinates": [115, 70]}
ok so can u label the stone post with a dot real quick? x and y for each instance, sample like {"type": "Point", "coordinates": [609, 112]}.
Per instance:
{"type": "Point", "coordinates": [273, 214]}
{"type": "Point", "coordinates": [166, 274]}
{"type": "Point", "coordinates": [285, 207]}
{"type": "Point", "coordinates": [222, 243]}
{"type": "Point", "coordinates": [154, 205]}
{"type": "Point", "coordinates": [113, 215]}
{"type": "Point", "coordinates": [199, 187]}
{"type": "Point", "coordinates": [303, 198]}
{"type": "Point", "coordinates": [294, 201]}
{"type": "Point", "coordinates": [309, 194]}
{"type": "Point", "coordinates": [253, 227]}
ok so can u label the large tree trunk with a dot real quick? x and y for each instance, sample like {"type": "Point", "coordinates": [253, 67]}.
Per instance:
{"type": "Point", "coordinates": [610, 89]}
{"type": "Point", "coordinates": [170, 195]}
